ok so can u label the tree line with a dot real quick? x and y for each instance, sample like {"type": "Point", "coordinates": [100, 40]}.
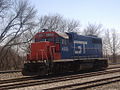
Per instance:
{"type": "Point", "coordinates": [19, 23]}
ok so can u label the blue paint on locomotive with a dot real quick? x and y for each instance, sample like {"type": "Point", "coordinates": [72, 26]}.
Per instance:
{"type": "Point", "coordinates": [79, 46]}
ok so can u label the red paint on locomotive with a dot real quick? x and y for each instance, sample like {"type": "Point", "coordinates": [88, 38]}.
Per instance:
{"type": "Point", "coordinates": [44, 50]}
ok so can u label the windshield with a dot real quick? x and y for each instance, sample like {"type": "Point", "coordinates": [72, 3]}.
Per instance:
{"type": "Point", "coordinates": [44, 40]}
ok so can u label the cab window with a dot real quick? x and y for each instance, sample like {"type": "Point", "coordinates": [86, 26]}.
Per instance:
{"type": "Point", "coordinates": [44, 39]}
{"type": "Point", "coordinates": [64, 41]}
{"type": "Point", "coordinates": [57, 40]}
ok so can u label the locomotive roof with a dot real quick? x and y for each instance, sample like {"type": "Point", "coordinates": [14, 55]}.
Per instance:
{"type": "Point", "coordinates": [66, 35]}
{"type": "Point", "coordinates": [62, 34]}
{"type": "Point", "coordinates": [77, 34]}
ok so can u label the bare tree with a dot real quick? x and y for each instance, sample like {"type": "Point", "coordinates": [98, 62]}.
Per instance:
{"type": "Point", "coordinates": [92, 29]}
{"type": "Point", "coordinates": [4, 5]}
{"type": "Point", "coordinates": [58, 23]}
{"type": "Point", "coordinates": [18, 21]}
{"type": "Point", "coordinates": [111, 44]}
{"type": "Point", "coordinates": [50, 22]}
{"type": "Point", "coordinates": [73, 25]}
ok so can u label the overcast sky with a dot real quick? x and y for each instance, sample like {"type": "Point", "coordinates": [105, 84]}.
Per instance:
{"type": "Point", "coordinates": [106, 12]}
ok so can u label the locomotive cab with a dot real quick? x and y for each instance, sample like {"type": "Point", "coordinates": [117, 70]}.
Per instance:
{"type": "Point", "coordinates": [46, 46]}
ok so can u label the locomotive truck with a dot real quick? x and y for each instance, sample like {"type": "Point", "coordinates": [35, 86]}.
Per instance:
{"type": "Point", "coordinates": [57, 52]}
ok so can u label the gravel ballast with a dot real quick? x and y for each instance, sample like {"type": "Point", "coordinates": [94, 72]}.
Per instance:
{"type": "Point", "coordinates": [6, 76]}
{"type": "Point", "coordinates": [113, 86]}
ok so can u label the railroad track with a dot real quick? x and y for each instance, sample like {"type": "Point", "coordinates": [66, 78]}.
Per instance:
{"type": "Point", "coordinates": [88, 84]}
{"type": "Point", "coordinates": [31, 81]}
{"type": "Point", "coordinates": [38, 77]}
{"type": "Point", "coordinates": [15, 71]}
{"type": "Point", "coordinates": [10, 71]}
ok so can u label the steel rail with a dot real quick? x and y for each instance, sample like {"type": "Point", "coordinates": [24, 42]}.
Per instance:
{"type": "Point", "coordinates": [88, 84]}
{"type": "Point", "coordinates": [41, 77]}
{"type": "Point", "coordinates": [10, 71]}
{"type": "Point", "coordinates": [53, 80]}
{"type": "Point", "coordinates": [14, 71]}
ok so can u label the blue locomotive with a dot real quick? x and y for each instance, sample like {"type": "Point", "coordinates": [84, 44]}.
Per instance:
{"type": "Point", "coordinates": [79, 46]}
{"type": "Point", "coordinates": [56, 52]}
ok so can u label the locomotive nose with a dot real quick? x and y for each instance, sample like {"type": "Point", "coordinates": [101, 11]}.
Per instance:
{"type": "Point", "coordinates": [40, 51]}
